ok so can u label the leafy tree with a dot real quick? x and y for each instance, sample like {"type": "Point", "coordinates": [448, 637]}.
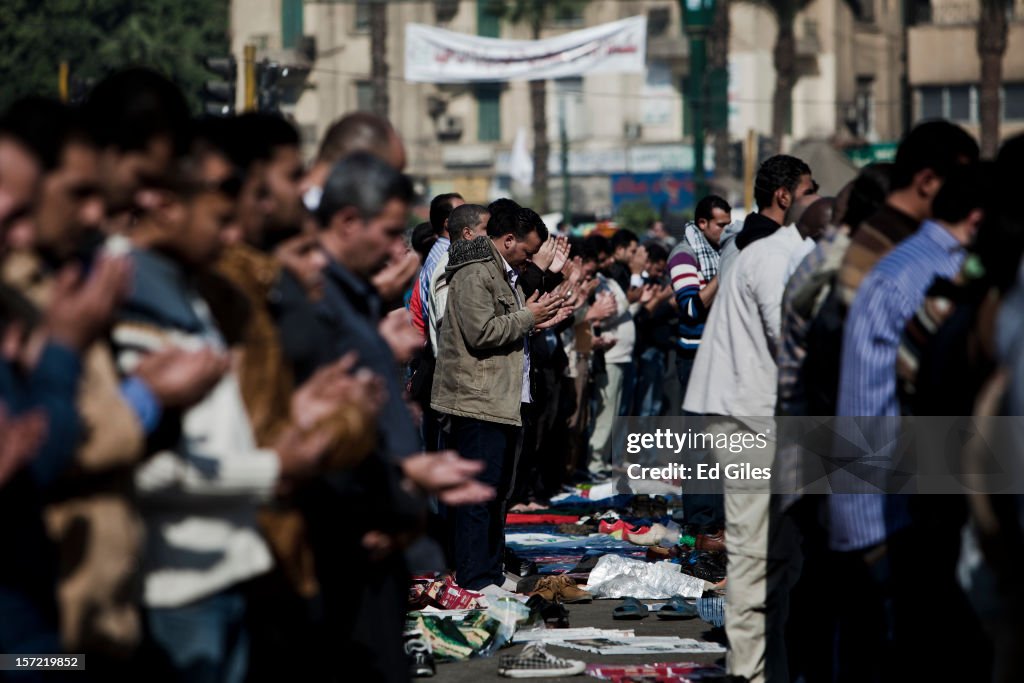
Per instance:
{"type": "Point", "coordinates": [535, 13]}
{"type": "Point", "coordinates": [637, 216]}
{"type": "Point", "coordinates": [97, 37]}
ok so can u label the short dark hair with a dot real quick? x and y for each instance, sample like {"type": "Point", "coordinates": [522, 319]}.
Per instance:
{"type": "Point", "coordinates": [520, 223]}
{"type": "Point", "coordinates": [440, 209]}
{"type": "Point", "coordinates": [131, 108]}
{"type": "Point", "coordinates": [870, 188]}
{"type": "Point", "coordinates": [937, 145]}
{"type": "Point", "coordinates": [365, 182]}
{"type": "Point", "coordinates": [423, 239]}
{"type": "Point", "coordinates": [358, 131]}
{"type": "Point", "coordinates": [43, 126]}
{"type": "Point", "coordinates": [256, 136]}
{"type": "Point", "coordinates": [708, 204]}
{"type": "Point", "coordinates": [500, 205]}
{"type": "Point", "coordinates": [779, 171]}
{"type": "Point", "coordinates": [465, 216]}
{"type": "Point", "coordinates": [594, 245]}
{"type": "Point", "coordinates": [623, 238]}
{"type": "Point", "coordinates": [656, 253]}
{"type": "Point", "coordinates": [963, 191]}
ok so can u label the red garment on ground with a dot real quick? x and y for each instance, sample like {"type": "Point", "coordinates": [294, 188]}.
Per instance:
{"type": "Point", "coordinates": [523, 518]}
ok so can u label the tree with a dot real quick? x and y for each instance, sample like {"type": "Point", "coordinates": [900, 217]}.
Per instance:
{"type": "Point", "coordinates": [992, 31]}
{"type": "Point", "coordinates": [378, 56]}
{"type": "Point", "coordinates": [96, 37]}
{"type": "Point", "coordinates": [784, 57]}
{"type": "Point", "coordinates": [718, 66]}
{"type": "Point", "coordinates": [637, 216]}
{"type": "Point", "coordinates": [534, 13]}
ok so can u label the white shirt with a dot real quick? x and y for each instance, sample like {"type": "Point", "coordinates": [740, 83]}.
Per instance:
{"type": "Point", "coordinates": [620, 326]}
{"type": "Point", "coordinates": [438, 300]}
{"type": "Point", "coordinates": [734, 372]}
{"type": "Point", "coordinates": [513, 277]}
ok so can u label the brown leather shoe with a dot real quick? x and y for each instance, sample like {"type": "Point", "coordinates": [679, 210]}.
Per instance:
{"type": "Point", "coordinates": [569, 592]}
{"type": "Point", "coordinates": [713, 543]}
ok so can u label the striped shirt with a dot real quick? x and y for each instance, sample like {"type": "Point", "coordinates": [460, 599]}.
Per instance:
{"type": "Point", "coordinates": [884, 303]}
{"type": "Point", "coordinates": [687, 279]}
{"type": "Point", "coordinates": [439, 249]}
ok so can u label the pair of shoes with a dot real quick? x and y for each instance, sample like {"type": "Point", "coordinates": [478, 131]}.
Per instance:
{"type": "Point", "coordinates": [631, 608]}
{"type": "Point", "coordinates": [654, 507]}
{"type": "Point", "coordinates": [653, 536]}
{"type": "Point", "coordinates": [560, 589]}
{"type": "Point", "coordinates": [621, 530]}
{"type": "Point", "coordinates": [517, 565]}
{"type": "Point", "coordinates": [535, 662]}
{"type": "Point", "coordinates": [711, 542]}
{"type": "Point", "coordinates": [678, 608]}
{"type": "Point", "coordinates": [657, 553]}
{"type": "Point", "coordinates": [553, 614]}
{"type": "Point", "coordinates": [419, 656]}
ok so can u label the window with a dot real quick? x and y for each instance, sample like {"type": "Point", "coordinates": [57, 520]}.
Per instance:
{"type": "Point", "coordinates": [488, 19]}
{"type": "Point", "coordinates": [291, 23]}
{"type": "Point", "coordinates": [488, 101]}
{"type": "Point", "coordinates": [362, 19]}
{"type": "Point", "coordinates": [865, 106]}
{"type": "Point", "coordinates": [569, 14]}
{"type": "Point", "coordinates": [931, 103]}
{"type": "Point", "coordinates": [954, 102]}
{"type": "Point", "coordinates": [1013, 102]}
{"type": "Point", "coordinates": [364, 96]}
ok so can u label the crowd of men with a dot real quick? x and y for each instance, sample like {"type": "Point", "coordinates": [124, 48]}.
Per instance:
{"type": "Point", "coordinates": [241, 401]}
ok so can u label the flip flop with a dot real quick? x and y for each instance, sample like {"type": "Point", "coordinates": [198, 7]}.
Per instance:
{"type": "Point", "coordinates": [678, 608]}
{"type": "Point", "coordinates": [631, 608]}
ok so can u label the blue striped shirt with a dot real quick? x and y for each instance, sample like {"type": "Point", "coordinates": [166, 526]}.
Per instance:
{"type": "Point", "coordinates": [884, 303]}
{"type": "Point", "coordinates": [439, 249]}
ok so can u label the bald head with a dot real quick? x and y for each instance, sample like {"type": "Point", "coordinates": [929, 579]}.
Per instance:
{"type": "Point", "coordinates": [816, 217]}
{"type": "Point", "coordinates": [362, 132]}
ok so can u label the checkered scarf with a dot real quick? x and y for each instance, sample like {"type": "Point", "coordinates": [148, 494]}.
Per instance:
{"type": "Point", "coordinates": [707, 255]}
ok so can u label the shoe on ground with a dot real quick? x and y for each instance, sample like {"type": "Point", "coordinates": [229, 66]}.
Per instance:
{"type": "Point", "coordinates": [509, 585]}
{"type": "Point", "coordinates": [560, 588]}
{"type": "Point", "coordinates": [420, 657]}
{"type": "Point", "coordinates": [652, 536]}
{"type": "Point", "coordinates": [714, 543]}
{"type": "Point", "coordinates": [535, 662]}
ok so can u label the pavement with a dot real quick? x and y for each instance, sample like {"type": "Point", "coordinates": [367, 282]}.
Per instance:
{"type": "Point", "coordinates": [597, 614]}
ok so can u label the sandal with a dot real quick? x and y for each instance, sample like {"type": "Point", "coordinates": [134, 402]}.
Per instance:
{"type": "Point", "coordinates": [678, 608]}
{"type": "Point", "coordinates": [631, 608]}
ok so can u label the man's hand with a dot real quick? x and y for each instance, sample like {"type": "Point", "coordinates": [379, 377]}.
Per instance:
{"type": "Point", "coordinates": [180, 378]}
{"type": "Point", "coordinates": [22, 437]}
{"type": "Point", "coordinates": [603, 307]}
{"type": "Point", "coordinates": [301, 451]}
{"type": "Point", "coordinates": [545, 255]}
{"type": "Point", "coordinates": [403, 339]}
{"type": "Point", "coordinates": [335, 385]}
{"type": "Point", "coordinates": [82, 309]}
{"type": "Point", "coordinates": [603, 343]}
{"type": "Point", "coordinates": [543, 307]}
{"type": "Point", "coordinates": [396, 276]}
{"type": "Point", "coordinates": [660, 294]}
{"type": "Point", "coordinates": [448, 476]}
{"type": "Point", "coordinates": [639, 261]}
{"type": "Point", "coordinates": [563, 313]}
{"type": "Point", "coordinates": [561, 254]}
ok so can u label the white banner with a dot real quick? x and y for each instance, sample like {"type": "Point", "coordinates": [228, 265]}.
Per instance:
{"type": "Point", "coordinates": [434, 55]}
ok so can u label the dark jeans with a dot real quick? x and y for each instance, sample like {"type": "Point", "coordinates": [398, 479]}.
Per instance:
{"type": "Point", "coordinates": [684, 366]}
{"type": "Point", "coordinates": [650, 376]}
{"type": "Point", "coordinates": [703, 512]}
{"type": "Point", "coordinates": [205, 641]}
{"type": "Point", "coordinates": [478, 531]}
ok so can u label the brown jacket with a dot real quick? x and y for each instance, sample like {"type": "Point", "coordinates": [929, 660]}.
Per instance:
{"type": "Point", "coordinates": [479, 371]}
{"type": "Point", "coordinates": [267, 386]}
{"type": "Point", "coordinates": [94, 522]}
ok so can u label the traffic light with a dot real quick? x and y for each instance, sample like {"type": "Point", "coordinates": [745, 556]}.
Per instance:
{"type": "Point", "coordinates": [268, 85]}
{"type": "Point", "coordinates": [219, 95]}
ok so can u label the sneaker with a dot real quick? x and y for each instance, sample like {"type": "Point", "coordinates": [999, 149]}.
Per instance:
{"type": "Point", "coordinates": [420, 657]}
{"type": "Point", "coordinates": [535, 662]}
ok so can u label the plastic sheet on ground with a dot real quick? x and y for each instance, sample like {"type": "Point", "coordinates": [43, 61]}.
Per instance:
{"type": "Point", "coordinates": [555, 634]}
{"type": "Point", "coordinates": [621, 577]}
